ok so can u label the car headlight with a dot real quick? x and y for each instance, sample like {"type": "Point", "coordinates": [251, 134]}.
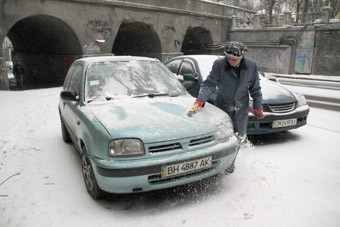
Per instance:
{"type": "Point", "coordinates": [126, 147]}
{"type": "Point", "coordinates": [301, 100]}
{"type": "Point", "coordinates": [225, 130]}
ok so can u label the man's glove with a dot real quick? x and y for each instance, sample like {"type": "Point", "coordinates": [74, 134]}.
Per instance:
{"type": "Point", "coordinates": [259, 114]}
{"type": "Point", "coordinates": [198, 104]}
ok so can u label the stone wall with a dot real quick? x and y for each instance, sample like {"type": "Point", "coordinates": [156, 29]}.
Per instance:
{"type": "Point", "coordinates": [310, 49]}
{"type": "Point", "coordinates": [327, 51]}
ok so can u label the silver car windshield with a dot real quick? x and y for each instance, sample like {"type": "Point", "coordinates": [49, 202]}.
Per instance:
{"type": "Point", "coordinates": [110, 80]}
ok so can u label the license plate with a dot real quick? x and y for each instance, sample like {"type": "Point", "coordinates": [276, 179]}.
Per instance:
{"type": "Point", "coordinates": [284, 123]}
{"type": "Point", "coordinates": [184, 167]}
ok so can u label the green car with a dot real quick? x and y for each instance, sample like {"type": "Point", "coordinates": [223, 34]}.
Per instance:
{"type": "Point", "coordinates": [128, 118]}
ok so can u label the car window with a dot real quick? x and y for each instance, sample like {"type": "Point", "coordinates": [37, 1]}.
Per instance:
{"type": "Point", "coordinates": [187, 68]}
{"type": "Point", "coordinates": [68, 78]}
{"type": "Point", "coordinates": [174, 65]}
{"type": "Point", "coordinates": [75, 81]}
{"type": "Point", "coordinates": [132, 78]}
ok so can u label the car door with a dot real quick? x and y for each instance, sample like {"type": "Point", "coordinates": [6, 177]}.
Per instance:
{"type": "Point", "coordinates": [71, 108]}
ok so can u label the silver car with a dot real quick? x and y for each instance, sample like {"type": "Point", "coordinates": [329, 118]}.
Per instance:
{"type": "Point", "coordinates": [283, 108]}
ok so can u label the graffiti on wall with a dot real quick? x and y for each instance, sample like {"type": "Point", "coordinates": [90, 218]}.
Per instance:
{"type": "Point", "coordinates": [100, 27]}
{"type": "Point", "coordinates": [2, 65]}
{"type": "Point", "coordinates": [91, 48]}
{"type": "Point", "coordinates": [3, 75]}
{"type": "Point", "coordinates": [304, 60]}
{"type": "Point", "coordinates": [280, 59]}
{"type": "Point", "coordinates": [245, 19]}
{"type": "Point", "coordinates": [262, 57]}
{"type": "Point", "coordinates": [169, 28]}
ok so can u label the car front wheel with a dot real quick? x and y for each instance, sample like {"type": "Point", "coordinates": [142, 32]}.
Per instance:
{"type": "Point", "coordinates": [230, 169]}
{"type": "Point", "coordinates": [89, 178]}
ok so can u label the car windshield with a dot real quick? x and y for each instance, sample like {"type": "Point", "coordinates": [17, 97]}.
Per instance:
{"type": "Point", "coordinates": [205, 64]}
{"type": "Point", "coordinates": [109, 80]}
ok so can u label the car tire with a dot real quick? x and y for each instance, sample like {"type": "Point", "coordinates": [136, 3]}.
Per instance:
{"type": "Point", "coordinates": [230, 169]}
{"type": "Point", "coordinates": [89, 177]}
{"type": "Point", "coordinates": [64, 132]}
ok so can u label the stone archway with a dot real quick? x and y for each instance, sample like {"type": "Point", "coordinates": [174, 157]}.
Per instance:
{"type": "Point", "coordinates": [196, 40]}
{"type": "Point", "coordinates": [139, 39]}
{"type": "Point", "coordinates": [46, 46]}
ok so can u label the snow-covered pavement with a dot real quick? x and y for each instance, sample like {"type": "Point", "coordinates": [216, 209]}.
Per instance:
{"type": "Point", "coordinates": [286, 179]}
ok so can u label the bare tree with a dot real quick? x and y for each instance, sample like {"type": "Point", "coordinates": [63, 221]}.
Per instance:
{"type": "Point", "coordinates": [273, 5]}
{"type": "Point", "coordinates": [247, 4]}
{"type": "Point", "coordinates": [335, 4]}
{"type": "Point", "coordinates": [269, 9]}
{"type": "Point", "coordinates": [280, 6]}
{"type": "Point", "coordinates": [298, 6]}
{"type": "Point", "coordinates": [305, 11]}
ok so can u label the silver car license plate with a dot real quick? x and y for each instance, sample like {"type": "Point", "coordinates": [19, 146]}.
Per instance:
{"type": "Point", "coordinates": [184, 167]}
{"type": "Point", "coordinates": [284, 123]}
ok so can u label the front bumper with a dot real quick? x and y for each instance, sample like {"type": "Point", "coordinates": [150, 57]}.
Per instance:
{"type": "Point", "coordinates": [263, 126]}
{"type": "Point", "coordinates": [145, 175]}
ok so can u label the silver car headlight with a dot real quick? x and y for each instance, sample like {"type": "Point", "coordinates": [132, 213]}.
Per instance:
{"type": "Point", "coordinates": [126, 147]}
{"type": "Point", "coordinates": [301, 100]}
{"type": "Point", "coordinates": [225, 130]}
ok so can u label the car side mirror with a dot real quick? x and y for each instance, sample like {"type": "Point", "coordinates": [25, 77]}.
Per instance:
{"type": "Point", "coordinates": [69, 95]}
{"type": "Point", "coordinates": [189, 77]}
{"type": "Point", "coordinates": [188, 84]}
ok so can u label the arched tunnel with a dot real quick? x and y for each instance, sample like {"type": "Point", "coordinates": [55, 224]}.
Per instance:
{"type": "Point", "coordinates": [196, 41]}
{"type": "Point", "coordinates": [46, 46]}
{"type": "Point", "coordinates": [136, 38]}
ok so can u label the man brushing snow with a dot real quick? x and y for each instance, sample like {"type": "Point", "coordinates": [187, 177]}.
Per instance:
{"type": "Point", "coordinates": [236, 77]}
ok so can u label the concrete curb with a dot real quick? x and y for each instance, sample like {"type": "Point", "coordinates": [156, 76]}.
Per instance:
{"type": "Point", "coordinates": [306, 77]}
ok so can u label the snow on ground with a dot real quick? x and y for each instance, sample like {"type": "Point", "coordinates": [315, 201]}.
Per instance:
{"type": "Point", "coordinates": [286, 179]}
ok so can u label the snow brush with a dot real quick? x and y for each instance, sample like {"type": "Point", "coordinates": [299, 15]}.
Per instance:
{"type": "Point", "coordinates": [193, 110]}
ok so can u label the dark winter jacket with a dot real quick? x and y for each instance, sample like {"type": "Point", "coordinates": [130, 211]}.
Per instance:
{"type": "Point", "coordinates": [233, 90]}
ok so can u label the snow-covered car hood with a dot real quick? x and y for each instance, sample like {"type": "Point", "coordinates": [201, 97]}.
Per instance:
{"type": "Point", "coordinates": [156, 119]}
{"type": "Point", "coordinates": [273, 93]}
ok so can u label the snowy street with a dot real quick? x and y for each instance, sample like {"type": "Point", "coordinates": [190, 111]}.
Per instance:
{"type": "Point", "coordinates": [285, 179]}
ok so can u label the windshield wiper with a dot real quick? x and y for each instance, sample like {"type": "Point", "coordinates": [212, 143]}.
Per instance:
{"type": "Point", "coordinates": [107, 98]}
{"type": "Point", "coordinates": [90, 100]}
{"type": "Point", "coordinates": [152, 95]}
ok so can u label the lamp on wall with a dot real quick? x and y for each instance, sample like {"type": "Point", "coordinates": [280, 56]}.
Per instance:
{"type": "Point", "coordinates": [100, 42]}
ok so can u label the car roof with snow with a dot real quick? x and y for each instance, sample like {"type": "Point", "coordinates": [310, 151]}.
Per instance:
{"type": "Point", "coordinates": [114, 58]}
